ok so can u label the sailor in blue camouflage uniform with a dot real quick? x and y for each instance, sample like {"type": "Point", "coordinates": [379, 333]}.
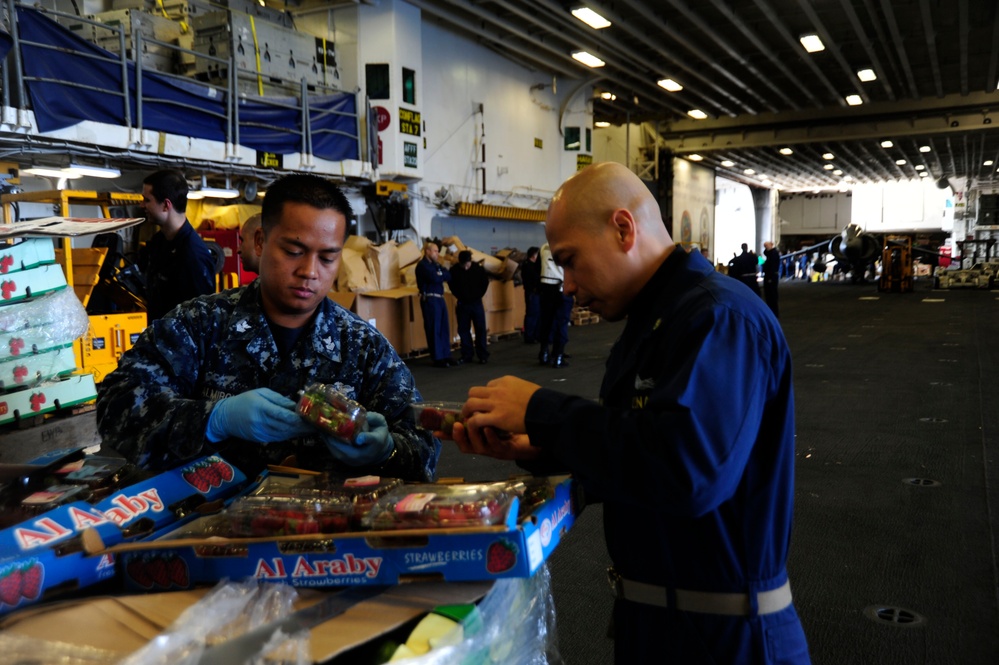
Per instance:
{"type": "Point", "coordinates": [691, 447]}
{"type": "Point", "coordinates": [221, 373]}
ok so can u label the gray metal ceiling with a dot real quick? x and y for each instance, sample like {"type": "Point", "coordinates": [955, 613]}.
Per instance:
{"type": "Point", "coordinates": [741, 62]}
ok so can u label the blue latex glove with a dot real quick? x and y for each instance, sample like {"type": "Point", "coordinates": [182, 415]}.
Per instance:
{"type": "Point", "coordinates": [260, 415]}
{"type": "Point", "coordinates": [371, 446]}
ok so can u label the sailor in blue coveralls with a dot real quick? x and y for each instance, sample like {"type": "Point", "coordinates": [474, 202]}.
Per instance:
{"type": "Point", "coordinates": [430, 278]}
{"type": "Point", "coordinates": [691, 446]}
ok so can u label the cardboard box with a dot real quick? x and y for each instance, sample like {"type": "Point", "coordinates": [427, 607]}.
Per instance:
{"type": "Point", "coordinates": [343, 298]}
{"type": "Point", "coordinates": [384, 263]}
{"type": "Point", "coordinates": [388, 312]}
{"type": "Point", "coordinates": [46, 398]}
{"type": "Point", "coordinates": [34, 367]}
{"type": "Point", "coordinates": [499, 296]}
{"type": "Point", "coordinates": [361, 558]}
{"type": "Point", "coordinates": [357, 244]}
{"type": "Point", "coordinates": [31, 253]}
{"type": "Point", "coordinates": [31, 283]}
{"type": "Point", "coordinates": [48, 555]}
{"type": "Point", "coordinates": [354, 274]}
{"type": "Point", "coordinates": [409, 253]}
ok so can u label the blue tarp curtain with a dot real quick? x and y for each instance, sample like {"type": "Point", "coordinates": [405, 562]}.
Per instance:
{"type": "Point", "coordinates": [169, 105]}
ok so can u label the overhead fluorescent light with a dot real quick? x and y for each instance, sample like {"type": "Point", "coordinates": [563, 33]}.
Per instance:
{"type": "Point", "coordinates": [601, 123]}
{"type": "Point", "coordinates": [828, 167]}
{"type": "Point", "coordinates": [591, 18]}
{"type": "Point", "coordinates": [924, 174]}
{"type": "Point", "coordinates": [588, 59]}
{"type": "Point", "coordinates": [786, 151]}
{"type": "Point", "coordinates": [854, 100]}
{"type": "Point", "coordinates": [919, 167]}
{"type": "Point", "coordinates": [887, 144]}
{"type": "Point", "coordinates": [217, 193]}
{"type": "Point", "coordinates": [812, 43]}
{"type": "Point", "coordinates": [728, 163]}
{"type": "Point", "coordinates": [694, 157]}
{"type": "Point", "coordinates": [837, 172]}
{"type": "Point", "coordinates": [748, 171]}
{"type": "Point", "coordinates": [987, 162]}
{"type": "Point", "coordinates": [48, 172]}
{"type": "Point", "coordinates": [900, 162]}
{"type": "Point", "coordinates": [828, 155]}
{"type": "Point", "coordinates": [697, 114]}
{"type": "Point", "coordinates": [669, 84]}
{"type": "Point", "coordinates": [609, 96]}
{"type": "Point", "coordinates": [866, 75]}
{"type": "Point", "coordinates": [94, 171]}
{"type": "Point", "coordinates": [925, 148]}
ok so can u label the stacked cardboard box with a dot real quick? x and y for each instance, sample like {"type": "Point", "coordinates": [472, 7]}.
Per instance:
{"type": "Point", "coordinates": [582, 316]}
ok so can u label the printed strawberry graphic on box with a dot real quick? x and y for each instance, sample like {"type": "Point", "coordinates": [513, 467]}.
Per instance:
{"type": "Point", "coordinates": [10, 587]}
{"type": "Point", "coordinates": [197, 480]}
{"type": "Point", "coordinates": [177, 568]}
{"type": "Point", "coordinates": [8, 288]}
{"type": "Point", "coordinates": [501, 556]}
{"type": "Point", "coordinates": [16, 344]}
{"type": "Point", "coordinates": [37, 399]}
{"type": "Point", "coordinates": [20, 373]}
{"type": "Point", "coordinates": [136, 570]}
{"type": "Point", "coordinates": [5, 263]}
{"type": "Point", "coordinates": [225, 470]}
{"type": "Point", "coordinates": [31, 580]}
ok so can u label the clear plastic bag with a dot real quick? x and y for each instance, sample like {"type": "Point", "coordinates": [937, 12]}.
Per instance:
{"type": "Point", "coordinates": [513, 625]}
{"type": "Point", "coordinates": [230, 610]}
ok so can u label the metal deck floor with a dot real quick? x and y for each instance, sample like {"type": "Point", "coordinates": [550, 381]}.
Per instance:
{"type": "Point", "coordinates": [888, 388]}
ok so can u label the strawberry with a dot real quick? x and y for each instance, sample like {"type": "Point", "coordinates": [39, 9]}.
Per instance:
{"type": "Point", "coordinates": [10, 587]}
{"type": "Point", "coordinates": [177, 569]}
{"type": "Point", "coordinates": [431, 419]}
{"type": "Point", "coordinates": [16, 344]}
{"type": "Point", "coordinates": [20, 373]}
{"type": "Point", "coordinates": [5, 263]}
{"type": "Point", "coordinates": [196, 479]}
{"type": "Point", "coordinates": [136, 570]}
{"type": "Point", "coordinates": [8, 288]}
{"type": "Point", "coordinates": [224, 470]}
{"type": "Point", "coordinates": [157, 569]}
{"type": "Point", "coordinates": [501, 556]}
{"type": "Point", "coordinates": [37, 399]}
{"type": "Point", "coordinates": [31, 581]}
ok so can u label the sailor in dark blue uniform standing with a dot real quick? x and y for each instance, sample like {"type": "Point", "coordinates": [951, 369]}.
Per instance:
{"type": "Point", "coordinates": [430, 278]}
{"type": "Point", "coordinates": [690, 447]}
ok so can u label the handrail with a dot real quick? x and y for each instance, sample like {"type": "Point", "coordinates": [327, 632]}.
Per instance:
{"type": "Point", "coordinates": [133, 118]}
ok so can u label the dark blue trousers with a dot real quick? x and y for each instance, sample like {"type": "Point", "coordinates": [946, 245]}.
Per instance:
{"type": "Point", "coordinates": [532, 311]}
{"type": "Point", "coordinates": [471, 315]}
{"type": "Point", "coordinates": [436, 327]}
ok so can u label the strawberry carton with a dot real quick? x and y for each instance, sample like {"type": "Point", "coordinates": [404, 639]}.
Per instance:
{"type": "Point", "coordinates": [440, 506]}
{"type": "Point", "coordinates": [48, 554]}
{"type": "Point", "coordinates": [471, 547]}
{"type": "Point", "coordinates": [437, 416]}
{"type": "Point", "coordinates": [31, 283]}
{"type": "Point", "coordinates": [47, 397]}
{"type": "Point", "coordinates": [25, 255]}
{"type": "Point", "coordinates": [332, 411]}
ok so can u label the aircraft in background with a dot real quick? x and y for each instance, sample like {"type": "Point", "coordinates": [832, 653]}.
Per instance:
{"type": "Point", "coordinates": [852, 247]}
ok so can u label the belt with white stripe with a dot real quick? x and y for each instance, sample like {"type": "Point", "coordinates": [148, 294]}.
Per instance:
{"type": "Point", "coordinates": [704, 602]}
{"type": "Point", "coordinates": [433, 295]}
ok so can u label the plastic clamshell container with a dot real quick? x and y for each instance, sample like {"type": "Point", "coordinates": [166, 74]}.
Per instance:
{"type": "Point", "coordinates": [425, 506]}
{"type": "Point", "coordinates": [437, 416]}
{"type": "Point", "coordinates": [362, 491]}
{"type": "Point", "coordinates": [287, 514]}
{"type": "Point", "coordinates": [332, 411]}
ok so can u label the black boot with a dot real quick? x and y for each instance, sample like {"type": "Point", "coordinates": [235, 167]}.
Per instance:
{"type": "Point", "coordinates": [543, 356]}
{"type": "Point", "coordinates": [559, 361]}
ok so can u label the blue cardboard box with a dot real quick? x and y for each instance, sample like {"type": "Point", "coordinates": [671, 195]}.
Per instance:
{"type": "Point", "coordinates": [49, 554]}
{"type": "Point", "coordinates": [515, 548]}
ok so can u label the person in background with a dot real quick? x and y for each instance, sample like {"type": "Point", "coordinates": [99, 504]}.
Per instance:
{"type": "Point", "coordinates": [177, 264]}
{"type": "Point", "coordinates": [556, 309]}
{"type": "Point", "coordinates": [247, 244]}
{"type": "Point", "coordinates": [690, 445]}
{"type": "Point", "coordinates": [771, 276]}
{"type": "Point", "coordinates": [469, 282]}
{"type": "Point", "coordinates": [221, 373]}
{"type": "Point", "coordinates": [530, 275]}
{"type": "Point", "coordinates": [746, 268]}
{"type": "Point", "coordinates": [430, 278]}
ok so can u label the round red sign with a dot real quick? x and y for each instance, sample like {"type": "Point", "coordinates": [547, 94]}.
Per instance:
{"type": "Point", "coordinates": [383, 118]}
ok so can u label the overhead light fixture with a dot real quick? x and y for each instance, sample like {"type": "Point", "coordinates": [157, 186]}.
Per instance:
{"type": "Point", "coordinates": [588, 59]}
{"type": "Point", "coordinates": [919, 167]}
{"type": "Point", "coordinates": [924, 174]}
{"type": "Point", "coordinates": [669, 84]}
{"type": "Point", "coordinates": [694, 157]}
{"type": "Point", "coordinates": [987, 162]}
{"type": "Point", "coordinates": [900, 162]}
{"type": "Point", "coordinates": [218, 193]}
{"type": "Point", "coordinates": [728, 163]}
{"type": "Point", "coordinates": [887, 144]}
{"type": "Point", "coordinates": [601, 123]}
{"type": "Point", "coordinates": [925, 148]}
{"type": "Point", "coordinates": [786, 151]}
{"type": "Point", "coordinates": [812, 43]}
{"type": "Point", "coordinates": [854, 100]}
{"type": "Point", "coordinates": [94, 171]}
{"type": "Point", "coordinates": [828, 155]}
{"type": "Point", "coordinates": [748, 171]}
{"type": "Point", "coordinates": [609, 96]}
{"type": "Point", "coordinates": [837, 172]}
{"type": "Point", "coordinates": [828, 167]}
{"type": "Point", "coordinates": [697, 114]}
{"type": "Point", "coordinates": [591, 18]}
{"type": "Point", "coordinates": [50, 172]}
{"type": "Point", "coordinates": [867, 75]}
